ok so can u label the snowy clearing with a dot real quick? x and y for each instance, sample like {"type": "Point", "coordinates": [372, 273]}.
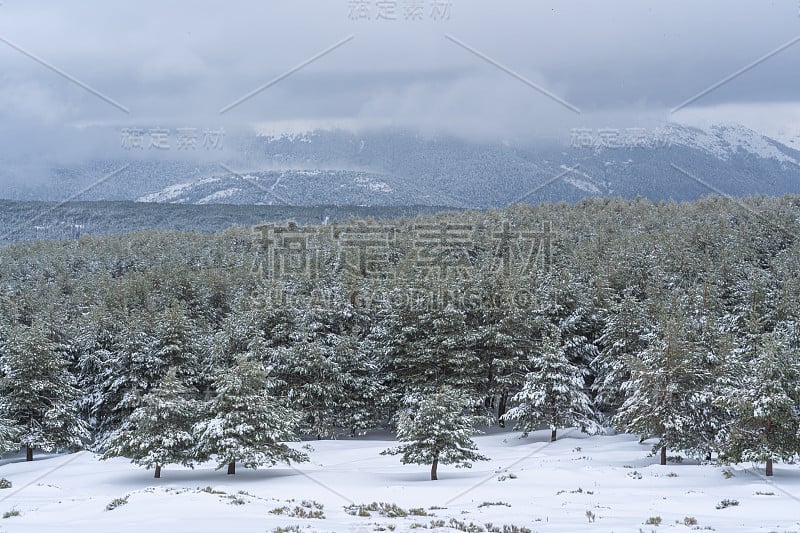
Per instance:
{"type": "Point", "coordinates": [579, 483]}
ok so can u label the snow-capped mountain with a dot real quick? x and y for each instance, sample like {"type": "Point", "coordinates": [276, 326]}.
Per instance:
{"type": "Point", "coordinates": [392, 167]}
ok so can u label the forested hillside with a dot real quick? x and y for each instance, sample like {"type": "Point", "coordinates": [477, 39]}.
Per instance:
{"type": "Point", "coordinates": [673, 321]}
{"type": "Point", "coordinates": [32, 221]}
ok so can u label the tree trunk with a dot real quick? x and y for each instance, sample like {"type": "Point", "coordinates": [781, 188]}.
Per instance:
{"type": "Point", "coordinates": [501, 408]}
{"type": "Point", "coordinates": [553, 435]}
{"type": "Point", "coordinates": [433, 469]}
{"type": "Point", "coordinates": [231, 468]}
{"type": "Point", "coordinates": [28, 453]}
{"type": "Point", "coordinates": [663, 455]}
{"type": "Point", "coordinates": [766, 434]}
{"type": "Point", "coordinates": [158, 472]}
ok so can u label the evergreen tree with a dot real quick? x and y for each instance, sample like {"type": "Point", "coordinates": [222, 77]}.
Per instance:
{"type": "Point", "coordinates": [504, 341]}
{"type": "Point", "coordinates": [314, 383]}
{"type": "Point", "coordinates": [429, 348]}
{"type": "Point", "coordinates": [765, 402]}
{"type": "Point", "coordinates": [159, 431]}
{"type": "Point", "coordinates": [622, 340]}
{"type": "Point", "coordinates": [245, 423]}
{"type": "Point", "coordinates": [665, 396]}
{"type": "Point", "coordinates": [173, 344]}
{"type": "Point", "coordinates": [127, 373]}
{"type": "Point", "coordinates": [553, 393]}
{"type": "Point", "coordinates": [37, 393]}
{"type": "Point", "coordinates": [99, 342]}
{"type": "Point", "coordinates": [437, 428]}
{"type": "Point", "coordinates": [9, 436]}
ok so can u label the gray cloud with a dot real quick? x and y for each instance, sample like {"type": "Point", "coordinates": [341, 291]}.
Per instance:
{"type": "Point", "coordinates": [622, 63]}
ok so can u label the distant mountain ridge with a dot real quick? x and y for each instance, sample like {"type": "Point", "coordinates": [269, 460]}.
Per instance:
{"type": "Point", "coordinates": [393, 167]}
{"type": "Point", "coordinates": [396, 168]}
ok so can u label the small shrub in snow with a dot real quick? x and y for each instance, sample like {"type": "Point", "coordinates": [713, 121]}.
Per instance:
{"type": "Point", "coordinates": [590, 515]}
{"type": "Point", "coordinates": [236, 500]}
{"type": "Point", "coordinates": [286, 529]}
{"type": "Point", "coordinates": [306, 509]}
{"type": "Point", "coordinates": [653, 521]}
{"type": "Point", "coordinates": [635, 475]}
{"type": "Point", "coordinates": [12, 512]}
{"type": "Point", "coordinates": [5, 484]}
{"type": "Point", "coordinates": [727, 473]}
{"type": "Point", "coordinates": [759, 493]}
{"type": "Point", "coordinates": [117, 502]}
{"type": "Point", "coordinates": [507, 475]}
{"type": "Point", "coordinates": [506, 529]}
{"type": "Point", "coordinates": [489, 504]}
{"type": "Point", "coordinates": [690, 521]}
{"type": "Point", "coordinates": [388, 510]}
{"type": "Point", "coordinates": [417, 511]}
{"type": "Point", "coordinates": [727, 503]}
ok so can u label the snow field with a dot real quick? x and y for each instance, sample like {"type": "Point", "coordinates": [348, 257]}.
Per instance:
{"type": "Point", "coordinates": [579, 483]}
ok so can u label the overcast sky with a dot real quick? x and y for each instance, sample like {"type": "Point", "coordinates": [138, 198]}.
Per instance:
{"type": "Point", "coordinates": [177, 64]}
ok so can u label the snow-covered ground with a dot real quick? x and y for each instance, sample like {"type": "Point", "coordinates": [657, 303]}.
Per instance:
{"type": "Point", "coordinates": [601, 483]}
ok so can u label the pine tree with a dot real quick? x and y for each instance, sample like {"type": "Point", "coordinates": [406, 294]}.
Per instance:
{"type": "Point", "coordinates": [429, 348]}
{"type": "Point", "coordinates": [314, 384]}
{"type": "Point", "coordinates": [159, 431]}
{"type": "Point", "coordinates": [9, 436]}
{"type": "Point", "coordinates": [503, 342]}
{"type": "Point", "coordinates": [127, 372]}
{"type": "Point", "coordinates": [622, 340]}
{"type": "Point", "coordinates": [172, 343]}
{"type": "Point", "coordinates": [246, 423]}
{"type": "Point", "coordinates": [665, 396]}
{"type": "Point", "coordinates": [765, 403]}
{"type": "Point", "coordinates": [37, 393]}
{"type": "Point", "coordinates": [553, 393]}
{"type": "Point", "coordinates": [133, 361]}
{"type": "Point", "coordinates": [437, 428]}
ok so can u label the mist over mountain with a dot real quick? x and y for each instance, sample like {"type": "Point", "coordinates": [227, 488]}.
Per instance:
{"type": "Point", "coordinates": [389, 167]}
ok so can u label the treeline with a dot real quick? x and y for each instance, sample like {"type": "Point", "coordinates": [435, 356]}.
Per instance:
{"type": "Point", "coordinates": [677, 322]}
{"type": "Point", "coordinates": [25, 221]}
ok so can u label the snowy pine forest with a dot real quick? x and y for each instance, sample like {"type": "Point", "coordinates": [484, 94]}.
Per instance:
{"type": "Point", "coordinates": [676, 322]}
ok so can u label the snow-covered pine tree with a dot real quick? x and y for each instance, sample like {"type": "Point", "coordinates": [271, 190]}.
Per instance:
{"type": "Point", "coordinates": [159, 431]}
{"type": "Point", "coordinates": [503, 341]}
{"type": "Point", "coordinates": [98, 343]}
{"type": "Point", "coordinates": [37, 393]}
{"type": "Point", "coordinates": [133, 360]}
{"type": "Point", "coordinates": [622, 340]}
{"type": "Point", "coordinates": [436, 427]}
{"type": "Point", "coordinates": [664, 397]}
{"type": "Point", "coordinates": [173, 343]}
{"type": "Point", "coordinates": [127, 372]}
{"type": "Point", "coordinates": [245, 423]}
{"type": "Point", "coordinates": [552, 394]}
{"type": "Point", "coordinates": [430, 348]}
{"type": "Point", "coordinates": [766, 404]}
{"type": "Point", "coordinates": [9, 436]}
{"type": "Point", "coordinates": [314, 383]}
